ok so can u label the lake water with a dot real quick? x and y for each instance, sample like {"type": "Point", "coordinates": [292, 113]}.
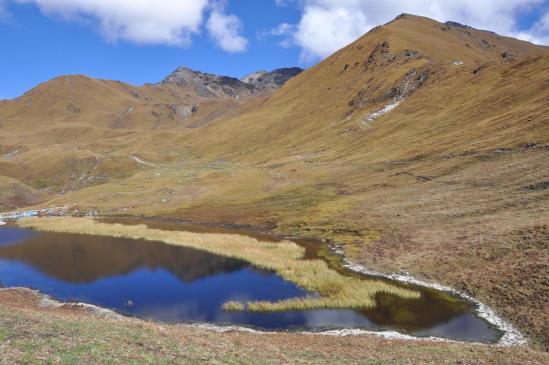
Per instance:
{"type": "Point", "coordinates": [177, 284]}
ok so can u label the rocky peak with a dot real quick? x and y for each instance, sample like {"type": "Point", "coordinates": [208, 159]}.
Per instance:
{"type": "Point", "coordinates": [275, 79]}
{"type": "Point", "coordinates": [457, 25]}
{"type": "Point", "coordinates": [210, 85]}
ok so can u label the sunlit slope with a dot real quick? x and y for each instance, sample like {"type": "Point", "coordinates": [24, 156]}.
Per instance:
{"type": "Point", "coordinates": [84, 101]}
{"type": "Point", "coordinates": [458, 89]}
{"type": "Point", "coordinates": [421, 145]}
{"type": "Point", "coordinates": [413, 92]}
{"type": "Point", "coordinates": [75, 131]}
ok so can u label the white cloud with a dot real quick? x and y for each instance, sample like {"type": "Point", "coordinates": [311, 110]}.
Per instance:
{"type": "Point", "coordinates": [327, 25]}
{"type": "Point", "coordinates": [141, 21]}
{"type": "Point", "coordinates": [282, 2]}
{"type": "Point", "coordinates": [225, 30]}
{"type": "Point", "coordinates": [284, 30]}
{"type": "Point", "coordinates": [281, 29]}
{"type": "Point", "coordinates": [171, 22]}
{"type": "Point", "coordinates": [323, 31]}
{"type": "Point", "coordinates": [4, 15]}
{"type": "Point", "coordinates": [538, 33]}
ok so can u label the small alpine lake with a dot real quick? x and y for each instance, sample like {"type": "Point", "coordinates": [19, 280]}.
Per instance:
{"type": "Point", "coordinates": [169, 283]}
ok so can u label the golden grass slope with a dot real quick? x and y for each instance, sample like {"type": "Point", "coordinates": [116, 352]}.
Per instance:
{"type": "Point", "coordinates": [14, 194]}
{"type": "Point", "coordinates": [489, 100]}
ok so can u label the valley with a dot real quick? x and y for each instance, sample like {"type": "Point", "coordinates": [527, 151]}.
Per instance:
{"type": "Point", "coordinates": [422, 147]}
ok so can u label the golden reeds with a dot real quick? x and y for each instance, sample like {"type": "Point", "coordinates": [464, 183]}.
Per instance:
{"type": "Point", "coordinates": [233, 306]}
{"type": "Point", "coordinates": [285, 258]}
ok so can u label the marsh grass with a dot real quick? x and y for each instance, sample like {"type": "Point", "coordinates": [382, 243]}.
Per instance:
{"type": "Point", "coordinates": [233, 306]}
{"type": "Point", "coordinates": [335, 290]}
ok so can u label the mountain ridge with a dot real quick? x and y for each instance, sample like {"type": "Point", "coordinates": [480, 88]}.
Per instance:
{"type": "Point", "coordinates": [213, 85]}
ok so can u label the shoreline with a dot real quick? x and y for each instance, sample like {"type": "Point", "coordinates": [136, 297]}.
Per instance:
{"type": "Point", "coordinates": [510, 335]}
{"type": "Point", "coordinates": [46, 301]}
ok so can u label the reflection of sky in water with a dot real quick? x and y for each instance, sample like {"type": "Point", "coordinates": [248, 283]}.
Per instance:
{"type": "Point", "coordinates": [461, 327]}
{"type": "Point", "coordinates": [177, 284]}
{"type": "Point", "coordinates": [343, 318]}
{"type": "Point", "coordinates": [11, 236]}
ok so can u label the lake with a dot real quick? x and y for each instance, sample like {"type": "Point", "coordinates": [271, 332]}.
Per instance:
{"type": "Point", "coordinates": [152, 280]}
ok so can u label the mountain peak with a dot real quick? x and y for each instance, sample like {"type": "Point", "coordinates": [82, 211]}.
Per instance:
{"type": "Point", "coordinates": [207, 85]}
{"type": "Point", "coordinates": [211, 85]}
{"type": "Point", "coordinates": [275, 79]}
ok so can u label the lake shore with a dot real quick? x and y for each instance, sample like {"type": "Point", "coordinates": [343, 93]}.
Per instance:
{"type": "Point", "coordinates": [285, 258]}
{"type": "Point", "coordinates": [62, 335]}
{"type": "Point", "coordinates": [264, 254]}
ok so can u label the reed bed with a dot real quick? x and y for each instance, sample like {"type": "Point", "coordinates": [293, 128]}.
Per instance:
{"type": "Point", "coordinates": [285, 258]}
{"type": "Point", "coordinates": [233, 306]}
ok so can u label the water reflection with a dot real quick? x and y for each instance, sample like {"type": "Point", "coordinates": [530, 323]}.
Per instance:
{"type": "Point", "coordinates": [175, 284]}
{"type": "Point", "coordinates": [84, 259]}
{"type": "Point", "coordinates": [11, 236]}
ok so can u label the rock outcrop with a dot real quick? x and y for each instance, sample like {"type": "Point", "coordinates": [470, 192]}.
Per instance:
{"type": "Point", "coordinates": [209, 85]}
{"type": "Point", "coordinates": [262, 80]}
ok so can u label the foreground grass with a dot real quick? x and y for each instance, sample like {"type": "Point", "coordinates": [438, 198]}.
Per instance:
{"type": "Point", "coordinates": [35, 335]}
{"type": "Point", "coordinates": [285, 258]}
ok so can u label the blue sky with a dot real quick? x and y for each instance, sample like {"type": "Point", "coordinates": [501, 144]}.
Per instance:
{"type": "Point", "coordinates": [139, 43]}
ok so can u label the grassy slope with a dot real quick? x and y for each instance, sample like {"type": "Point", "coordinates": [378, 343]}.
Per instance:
{"type": "Point", "coordinates": [451, 185]}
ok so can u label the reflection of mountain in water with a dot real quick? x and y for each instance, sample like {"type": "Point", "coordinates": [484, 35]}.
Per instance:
{"type": "Point", "coordinates": [430, 309]}
{"type": "Point", "coordinates": [82, 259]}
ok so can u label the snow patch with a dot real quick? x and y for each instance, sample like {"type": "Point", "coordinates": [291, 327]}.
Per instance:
{"type": "Point", "coordinates": [10, 154]}
{"type": "Point", "coordinates": [381, 112]}
{"type": "Point", "coordinates": [142, 162]}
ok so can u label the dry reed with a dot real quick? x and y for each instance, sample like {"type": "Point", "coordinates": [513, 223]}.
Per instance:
{"type": "Point", "coordinates": [285, 258]}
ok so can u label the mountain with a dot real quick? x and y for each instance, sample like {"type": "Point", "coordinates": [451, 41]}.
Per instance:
{"type": "Point", "coordinates": [209, 85]}
{"type": "Point", "coordinates": [275, 79]}
{"type": "Point", "coordinates": [421, 146]}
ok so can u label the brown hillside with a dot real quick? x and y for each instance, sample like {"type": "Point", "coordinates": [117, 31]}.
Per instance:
{"type": "Point", "coordinates": [451, 184]}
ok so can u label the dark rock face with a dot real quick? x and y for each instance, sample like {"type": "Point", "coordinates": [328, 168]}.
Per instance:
{"type": "Point", "coordinates": [457, 25]}
{"type": "Point", "coordinates": [508, 55]}
{"type": "Point", "coordinates": [275, 79]}
{"type": "Point", "coordinates": [210, 85]}
{"type": "Point", "coordinates": [484, 44]}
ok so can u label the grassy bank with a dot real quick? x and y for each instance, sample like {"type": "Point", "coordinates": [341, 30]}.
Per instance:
{"type": "Point", "coordinates": [285, 258]}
